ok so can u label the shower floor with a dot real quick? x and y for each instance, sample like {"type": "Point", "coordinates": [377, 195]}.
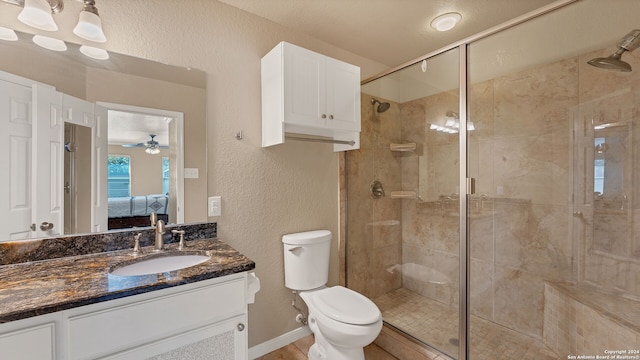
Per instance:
{"type": "Point", "coordinates": [437, 324]}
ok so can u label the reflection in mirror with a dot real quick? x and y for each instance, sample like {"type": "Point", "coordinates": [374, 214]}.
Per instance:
{"type": "Point", "coordinates": [75, 82]}
{"type": "Point", "coordinates": [611, 184]}
{"type": "Point", "coordinates": [148, 143]}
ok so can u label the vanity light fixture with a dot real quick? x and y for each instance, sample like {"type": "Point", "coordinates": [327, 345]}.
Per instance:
{"type": "Point", "coordinates": [94, 53]}
{"type": "Point", "coordinates": [8, 34]}
{"type": "Point", "coordinates": [452, 124]}
{"type": "Point", "coordinates": [89, 25]}
{"type": "Point", "coordinates": [37, 13]}
{"type": "Point", "coordinates": [49, 43]}
{"type": "Point", "coordinates": [446, 21]}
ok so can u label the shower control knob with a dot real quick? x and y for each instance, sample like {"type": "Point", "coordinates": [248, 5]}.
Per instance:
{"type": "Point", "coordinates": [241, 327]}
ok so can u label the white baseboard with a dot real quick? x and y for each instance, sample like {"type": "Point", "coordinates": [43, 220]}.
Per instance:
{"type": "Point", "coordinates": [278, 342]}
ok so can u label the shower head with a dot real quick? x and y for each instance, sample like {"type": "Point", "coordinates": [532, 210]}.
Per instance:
{"type": "Point", "coordinates": [629, 42]}
{"type": "Point", "coordinates": [382, 106]}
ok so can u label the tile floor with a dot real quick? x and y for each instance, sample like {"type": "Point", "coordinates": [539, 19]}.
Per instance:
{"type": "Point", "coordinates": [299, 349]}
{"type": "Point", "coordinates": [437, 324]}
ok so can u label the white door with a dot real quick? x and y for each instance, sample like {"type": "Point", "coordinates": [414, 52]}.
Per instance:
{"type": "Point", "coordinates": [15, 157]}
{"type": "Point", "coordinates": [99, 169]}
{"type": "Point", "coordinates": [48, 161]}
{"type": "Point", "coordinates": [83, 113]}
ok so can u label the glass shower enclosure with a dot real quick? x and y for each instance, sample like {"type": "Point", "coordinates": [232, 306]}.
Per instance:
{"type": "Point", "coordinates": [491, 208]}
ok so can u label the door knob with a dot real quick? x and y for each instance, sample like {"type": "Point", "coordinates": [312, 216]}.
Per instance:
{"type": "Point", "coordinates": [46, 226]}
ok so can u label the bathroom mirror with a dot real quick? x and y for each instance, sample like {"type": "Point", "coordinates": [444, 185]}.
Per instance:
{"type": "Point", "coordinates": [126, 81]}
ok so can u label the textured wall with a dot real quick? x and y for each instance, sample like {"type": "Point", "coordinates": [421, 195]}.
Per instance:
{"type": "Point", "coordinates": [265, 192]}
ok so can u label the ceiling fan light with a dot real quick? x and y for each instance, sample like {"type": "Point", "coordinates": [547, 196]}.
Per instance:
{"type": "Point", "coordinates": [37, 14]}
{"type": "Point", "coordinates": [89, 27]}
{"type": "Point", "coordinates": [152, 150]}
{"type": "Point", "coordinates": [446, 21]}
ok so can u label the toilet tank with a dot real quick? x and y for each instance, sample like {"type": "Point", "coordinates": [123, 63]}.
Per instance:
{"type": "Point", "coordinates": [306, 259]}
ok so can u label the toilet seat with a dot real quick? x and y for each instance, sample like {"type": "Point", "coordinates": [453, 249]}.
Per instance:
{"type": "Point", "coordinates": [346, 306]}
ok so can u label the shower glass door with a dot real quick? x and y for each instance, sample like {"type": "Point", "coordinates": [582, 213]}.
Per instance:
{"type": "Point", "coordinates": [403, 241]}
{"type": "Point", "coordinates": [552, 221]}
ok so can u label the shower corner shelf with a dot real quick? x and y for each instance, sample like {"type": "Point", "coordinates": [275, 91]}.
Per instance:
{"type": "Point", "coordinates": [404, 194]}
{"type": "Point", "coordinates": [405, 147]}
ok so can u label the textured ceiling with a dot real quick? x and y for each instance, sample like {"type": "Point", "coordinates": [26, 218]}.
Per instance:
{"type": "Point", "coordinates": [390, 32]}
{"type": "Point", "coordinates": [134, 128]}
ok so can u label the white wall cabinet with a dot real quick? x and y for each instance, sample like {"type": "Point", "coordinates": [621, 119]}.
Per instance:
{"type": "Point", "coordinates": [304, 92]}
{"type": "Point", "coordinates": [202, 320]}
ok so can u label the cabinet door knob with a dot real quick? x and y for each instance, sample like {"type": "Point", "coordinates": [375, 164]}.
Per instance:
{"type": "Point", "coordinates": [331, 117]}
{"type": "Point", "coordinates": [324, 116]}
{"type": "Point", "coordinates": [240, 327]}
{"type": "Point", "coordinates": [46, 226]}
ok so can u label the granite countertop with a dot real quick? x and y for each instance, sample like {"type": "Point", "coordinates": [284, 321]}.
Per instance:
{"type": "Point", "coordinates": [41, 287]}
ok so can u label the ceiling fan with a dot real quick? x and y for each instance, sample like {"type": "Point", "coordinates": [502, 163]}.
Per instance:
{"type": "Point", "coordinates": [151, 146]}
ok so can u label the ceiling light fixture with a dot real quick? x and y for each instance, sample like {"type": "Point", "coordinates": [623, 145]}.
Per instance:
{"type": "Point", "coordinates": [89, 25]}
{"type": "Point", "coordinates": [152, 150]}
{"type": "Point", "coordinates": [446, 21]}
{"type": "Point", "coordinates": [152, 146]}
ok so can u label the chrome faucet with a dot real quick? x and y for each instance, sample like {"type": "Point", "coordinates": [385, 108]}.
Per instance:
{"type": "Point", "coordinates": [181, 234]}
{"type": "Point", "coordinates": [136, 244]}
{"type": "Point", "coordinates": [153, 218]}
{"type": "Point", "coordinates": [160, 230]}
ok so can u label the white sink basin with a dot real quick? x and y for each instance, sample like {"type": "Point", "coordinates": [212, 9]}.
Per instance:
{"type": "Point", "coordinates": [159, 264]}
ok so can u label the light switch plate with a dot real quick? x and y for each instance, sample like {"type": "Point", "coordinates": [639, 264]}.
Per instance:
{"type": "Point", "coordinates": [191, 173]}
{"type": "Point", "coordinates": [214, 206]}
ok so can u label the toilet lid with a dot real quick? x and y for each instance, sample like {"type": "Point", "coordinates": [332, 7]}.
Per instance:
{"type": "Point", "coordinates": [347, 306]}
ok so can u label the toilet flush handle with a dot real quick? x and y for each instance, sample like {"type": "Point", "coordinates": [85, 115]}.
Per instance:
{"type": "Point", "coordinates": [295, 248]}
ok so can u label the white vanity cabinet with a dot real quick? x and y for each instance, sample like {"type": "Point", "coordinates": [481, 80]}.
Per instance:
{"type": "Point", "coordinates": [304, 92]}
{"type": "Point", "coordinates": [202, 320]}
{"type": "Point", "coordinates": [32, 338]}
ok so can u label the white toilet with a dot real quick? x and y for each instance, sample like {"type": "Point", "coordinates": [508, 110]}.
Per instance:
{"type": "Point", "coordinates": [342, 320]}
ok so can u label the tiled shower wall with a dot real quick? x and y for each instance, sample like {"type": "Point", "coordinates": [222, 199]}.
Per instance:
{"type": "Point", "coordinates": [374, 234]}
{"type": "Point", "coordinates": [523, 231]}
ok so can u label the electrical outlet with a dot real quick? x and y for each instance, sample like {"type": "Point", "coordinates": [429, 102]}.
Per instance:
{"type": "Point", "coordinates": [215, 206]}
